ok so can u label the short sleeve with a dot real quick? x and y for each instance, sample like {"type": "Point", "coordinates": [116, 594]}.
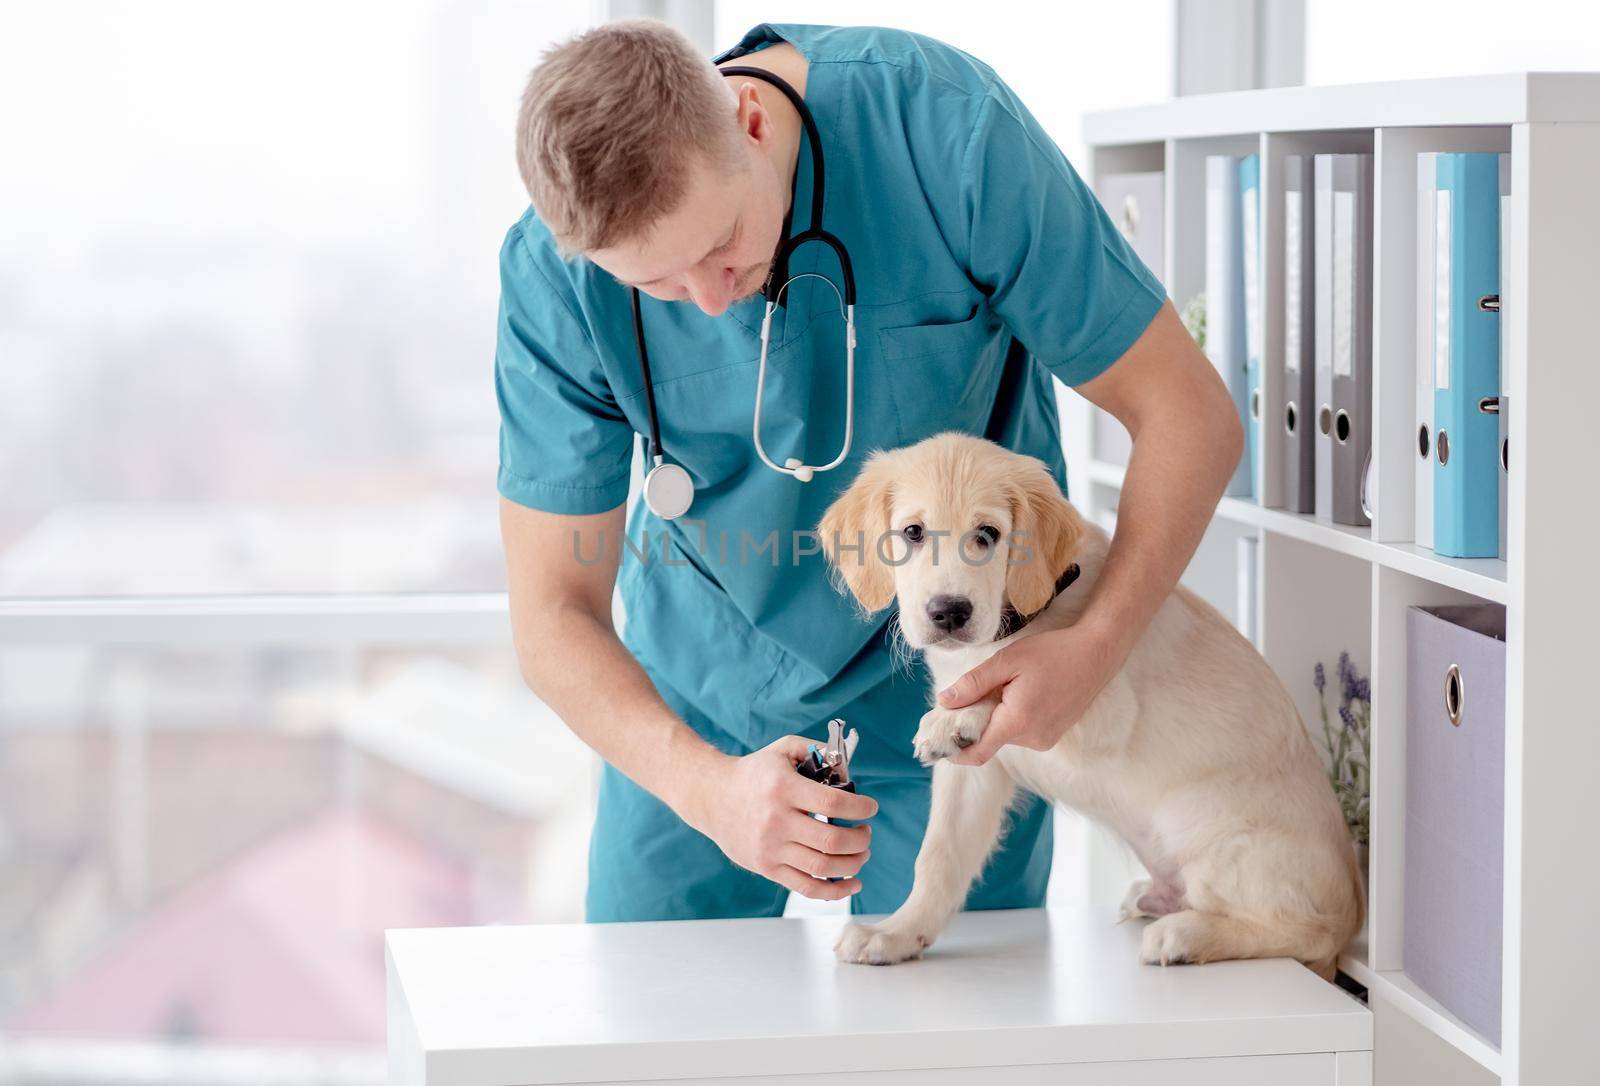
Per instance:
{"type": "Point", "coordinates": [565, 446]}
{"type": "Point", "coordinates": [1057, 270]}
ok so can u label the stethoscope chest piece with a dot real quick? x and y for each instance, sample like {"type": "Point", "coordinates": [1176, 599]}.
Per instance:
{"type": "Point", "coordinates": [668, 490]}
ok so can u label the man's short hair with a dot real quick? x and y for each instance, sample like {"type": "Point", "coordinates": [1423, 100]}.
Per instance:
{"type": "Point", "coordinates": [612, 124]}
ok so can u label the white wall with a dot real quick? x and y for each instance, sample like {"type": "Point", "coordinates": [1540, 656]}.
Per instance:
{"type": "Point", "coordinates": [1062, 59]}
{"type": "Point", "coordinates": [1355, 41]}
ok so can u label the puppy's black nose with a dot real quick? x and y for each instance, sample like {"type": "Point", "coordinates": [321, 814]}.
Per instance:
{"type": "Point", "coordinates": [949, 613]}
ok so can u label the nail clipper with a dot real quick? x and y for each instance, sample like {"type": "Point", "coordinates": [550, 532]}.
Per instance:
{"type": "Point", "coordinates": [830, 765]}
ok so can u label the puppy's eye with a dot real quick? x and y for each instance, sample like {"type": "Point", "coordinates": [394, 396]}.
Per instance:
{"type": "Point", "coordinates": [912, 532]}
{"type": "Point", "coordinates": [988, 535]}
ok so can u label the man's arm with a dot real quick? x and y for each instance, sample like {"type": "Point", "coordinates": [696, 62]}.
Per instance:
{"type": "Point", "coordinates": [754, 808]}
{"type": "Point", "coordinates": [1187, 440]}
{"type": "Point", "coordinates": [570, 655]}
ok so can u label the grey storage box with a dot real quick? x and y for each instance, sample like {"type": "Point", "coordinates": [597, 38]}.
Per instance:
{"type": "Point", "coordinates": [1455, 807]}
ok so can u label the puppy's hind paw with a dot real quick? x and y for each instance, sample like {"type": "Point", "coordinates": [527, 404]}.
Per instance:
{"type": "Point", "coordinates": [1175, 939]}
{"type": "Point", "coordinates": [1149, 898]}
{"type": "Point", "coordinates": [1129, 909]}
{"type": "Point", "coordinates": [873, 944]}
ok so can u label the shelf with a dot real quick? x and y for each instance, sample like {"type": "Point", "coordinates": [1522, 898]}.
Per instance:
{"type": "Point", "coordinates": [1353, 964]}
{"type": "Point", "coordinates": [1481, 577]}
{"type": "Point", "coordinates": [1505, 99]}
{"type": "Point", "coordinates": [1321, 587]}
{"type": "Point", "coordinates": [1397, 989]}
{"type": "Point", "coordinates": [1106, 474]}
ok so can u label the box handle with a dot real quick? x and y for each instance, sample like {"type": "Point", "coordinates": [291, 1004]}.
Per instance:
{"type": "Point", "coordinates": [1455, 695]}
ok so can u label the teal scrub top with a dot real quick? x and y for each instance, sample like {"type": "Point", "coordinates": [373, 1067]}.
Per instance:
{"type": "Point", "coordinates": [983, 265]}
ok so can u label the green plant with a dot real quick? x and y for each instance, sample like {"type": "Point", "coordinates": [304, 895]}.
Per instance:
{"type": "Point", "coordinates": [1348, 747]}
{"type": "Point", "coordinates": [1194, 318]}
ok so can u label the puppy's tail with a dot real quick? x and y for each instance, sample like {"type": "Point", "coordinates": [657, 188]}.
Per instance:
{"type": "Point", "coordinates": [1346, 922]}
{"type": "Point", "coordinates": [1334, 930]}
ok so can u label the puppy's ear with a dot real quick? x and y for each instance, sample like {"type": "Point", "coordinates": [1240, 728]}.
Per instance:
{"type": "Point", "coordinates": [1046, 531]}
{"type": "Point", "coordinates": [850, 531]}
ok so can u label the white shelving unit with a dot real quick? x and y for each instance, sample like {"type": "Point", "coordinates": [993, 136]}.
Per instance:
{"type": "Point", "coordinates": [1323, 588]}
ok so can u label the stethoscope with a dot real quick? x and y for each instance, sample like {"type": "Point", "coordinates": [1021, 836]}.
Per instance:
{"type": "Point", "coordinates": [668, 490]}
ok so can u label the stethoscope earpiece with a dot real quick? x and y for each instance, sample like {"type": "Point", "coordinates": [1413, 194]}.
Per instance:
{"type": "Point", "coordinates": [802, 472]}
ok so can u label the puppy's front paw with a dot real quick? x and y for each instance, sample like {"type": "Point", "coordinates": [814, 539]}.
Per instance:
{"type": "Point", "coordinates": [874, 944]}
{"type": "Point", "coordinates": [944, 733]}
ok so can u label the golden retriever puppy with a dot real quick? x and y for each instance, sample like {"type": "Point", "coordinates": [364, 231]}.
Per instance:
{"type": "Point", "coordinates": [1194, 753]}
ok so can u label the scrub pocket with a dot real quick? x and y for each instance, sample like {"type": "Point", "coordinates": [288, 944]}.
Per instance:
{"type": "Point", "coordinates": [944, 376]}
{"type": "Point", "coordinates": [686, 632]}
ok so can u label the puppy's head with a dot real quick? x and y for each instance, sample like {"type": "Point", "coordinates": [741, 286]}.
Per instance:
{"type": "Point", "coordinates": [955, 528]}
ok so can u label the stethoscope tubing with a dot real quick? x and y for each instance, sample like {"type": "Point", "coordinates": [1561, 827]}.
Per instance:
{"type": "Point", "coordinates": [671, 479]}
{"type": "Point", "coordinates": [649, 384]}
{"type": "Point", "coordinates": [792, 466]}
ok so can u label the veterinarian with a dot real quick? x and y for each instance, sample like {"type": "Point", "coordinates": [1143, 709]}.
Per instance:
{"type": "Point", "coordinates": [983, 267]}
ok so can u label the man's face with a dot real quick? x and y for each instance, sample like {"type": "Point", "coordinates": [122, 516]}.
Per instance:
{"type": "Point", "coordinates": [715, 249]}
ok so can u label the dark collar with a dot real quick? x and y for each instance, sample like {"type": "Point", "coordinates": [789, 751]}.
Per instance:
{"type": "Point", "coordinates": [1011, 621]}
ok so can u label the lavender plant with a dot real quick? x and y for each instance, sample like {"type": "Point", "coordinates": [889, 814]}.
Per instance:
{"type": "Point", "coordinates": [1349, 746]}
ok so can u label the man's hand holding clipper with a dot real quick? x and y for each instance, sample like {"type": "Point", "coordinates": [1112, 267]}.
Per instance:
{"type": "Point", "coordinates": [759, 810]}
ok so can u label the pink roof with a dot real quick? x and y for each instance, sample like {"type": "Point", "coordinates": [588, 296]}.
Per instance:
{"type": "Point", "coordinates": [282, 943]}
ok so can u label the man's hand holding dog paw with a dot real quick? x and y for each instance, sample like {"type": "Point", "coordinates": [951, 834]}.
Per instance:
{"type": "Point", "coordinates": [1045, 684]}
{"type": "Point", "coordinates": [945, 733]}
{"type": "Point", "coordinates": [877, 944]}
{"type": "Point", "coordinates": [758, 811]}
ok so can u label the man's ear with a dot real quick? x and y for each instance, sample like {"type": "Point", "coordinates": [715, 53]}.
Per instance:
{"type": "Point", "coordinates": [754, 121]}
{"type": "Point", "coordinates": [1046, 531]}
{"type": "Point", "coordinates": [850, 531]}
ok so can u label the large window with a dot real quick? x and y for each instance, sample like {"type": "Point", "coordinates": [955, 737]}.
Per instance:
{"type": "Point", "coordinates": [247, 309]}
{"type": "Point", "coordinates": [247, 291]}
{"type": "Point", "coordinates": [203, 846]}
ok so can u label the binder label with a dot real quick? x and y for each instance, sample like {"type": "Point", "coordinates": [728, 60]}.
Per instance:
{"type": "Point", "coordinates": [1426, 174]}
{"type": "Point", "coordinates": [1344, 285]}
{"type": "Point", "coordinates": [1441, 289]}
{"type": "Point", "coordinates": [1217, 301]}
{"type": "Point", "coordinates": [1292, 285]}
{"type": "Point", "coordinates": [1252, 275]}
